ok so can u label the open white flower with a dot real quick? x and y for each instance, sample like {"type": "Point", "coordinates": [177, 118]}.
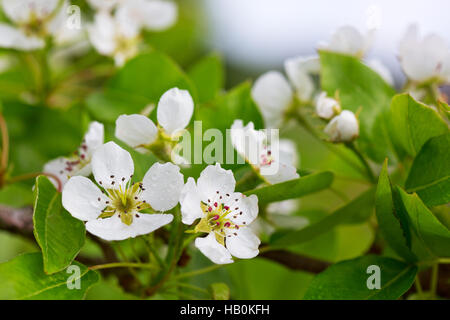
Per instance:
{"type": "Point", "coordinates": [115, 213]}
{"type": "Point", "coordinates": [78, 164]}
{"type": "Point", "coordinates": [424, 59]}
{"type": "Point", "coordinates": [275, 165]}
{"type": "Point", "coordinates": [175, 109]}
{"type": "Point", "coordinates": [300, 71]}
{"type": "Point", "coordinates": [343, 127]}
{"type": "Point", "coordinates": [33, 21]}
{"type": "Point", "coordinates": [224, 215]}
{"type": "Point", "coordinates": [349, 40]}
{"type": "Point", "coordinates": [326, 107]}
{"type": "Point", "coordinates": [117, 34]}
{"type": "Point", "coordinates": [273, 95]}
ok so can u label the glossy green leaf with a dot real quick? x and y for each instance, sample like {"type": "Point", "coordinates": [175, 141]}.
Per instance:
{"type": "Point", "coordinates": [23, 278]}
{"type": "Point", "coordinates": [355, 211]}
{"type": "Point", "coordinates": [348, 280]}
{"type": "Point", "coordinates": [208, 77]}
{"type": "Point", "coordinates": [432, 233]}
{"type": "Point", "coordinates": [294, 188]}
{"type": "Point", "coordinates": [415, 123]}
{"type": "Point", "coordinates": [393, 224]}
{"type": "Point", "coordinates": [108, 105]}
{"type": "Point", "coordinates": [358, 87]}
{"type": "Point", "coordinates": [150, 75]}
{"type": "Point", "coordinates": [220, 291]}
{"type": "Point", "coordinates": [236, 104]}
{"type": "Point", "coordinates": [429, 176]}
{"type": "Point", "coordinates": [59, 235]}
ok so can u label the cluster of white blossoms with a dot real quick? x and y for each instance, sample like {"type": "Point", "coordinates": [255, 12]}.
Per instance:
{"type": "Point", "coordinates": [174, 112]}
{"type": "Point", "coordinates": [115, 207]}
{"type": "Point", "coordinates": [344, 126]}
{"type": "Point", "coordinates": [118, 24]}
{"type": "Point", "coordinates": [32, 21]}
{"type": "Point", "coordinates": [275, 94]}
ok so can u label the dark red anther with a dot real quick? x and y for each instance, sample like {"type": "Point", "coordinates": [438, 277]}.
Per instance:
{"type": "Point", "coordinates": [226, 208]}
{"type": "Point", "coordinates": [227, 224]}
{"type": "Point", "coordinates": [209, 209]}
{"type": "Point", "coordinates": [215, 204]}
{"type": "Point", "coordinates": [216, 217]}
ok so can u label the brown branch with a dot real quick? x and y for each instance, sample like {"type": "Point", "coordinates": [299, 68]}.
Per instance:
{"type": "Point", "coordinates": [17, 220]}
{"type": "Point", "coordinates": [295, 261]}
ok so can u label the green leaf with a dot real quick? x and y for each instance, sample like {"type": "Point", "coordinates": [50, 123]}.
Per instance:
{"type": "Point", "coordinates": [208, 77]}
{"type": "Point", "coordinates": [108, 105]}
{"type": "Point", "coordinates": [415, 123]}
{"type": "Point", "coordinates": [59, 235]}
{"type": "Point", "coordinates": [430, 172]}
{"type": "Point", "coordinates": [24, 279]}
{"type": "Point", "coordinates": [356, 211]}
{"type": "Point", "coordinates": [431, 232]}
{"type": "Point", "coordinates": [360, 86]}
{"type": "Point", "coordinates": [220, 291]}
{"type": "Point", "coordinates": [236, 104]}
{"type": "Point", "coordinates": [150, 75]}
{"type": "Point", "coordinates": [348, 280]}
{"type": "Point", "coordinates": [393, 224]}
{"type": "Point", "coordinates": [293, 188]}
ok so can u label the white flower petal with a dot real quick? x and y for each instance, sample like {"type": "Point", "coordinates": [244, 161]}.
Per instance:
{"type": "Point", "coordinates": [21, 11]}
{"type": "Point", "coordinates": [243, 211]}
{"type": "Point", "coordinates": [81, 196]}
{"type": "Point", "coordinates": [159, 15]}
{"type": "Point", "coordinates": [102, 33]}
{"type": "Point", "coordinates": [213, 250]}
{"type": "Point", "coordinates": [112, 166]}
{"type": "Point", "coordinates": [348, 40]}
{"type": "Point", "coordinates": [175, 109]}
{"type": "Point", "coordinates": [163, 184]}
{"type": "Point", "coordinates": [273, 95]}
{"type": "Point", "coordinates": [57, 167]}
{"type": "Point", "coordinates": [247, 141]}
{"type": "Point", "coordinates": [284, 207]}
{"type": "Point", "coordinates": [343, 128]}
{"type": "Point", "coordinates": [244, 245]}
{"type": "Point", "coordinates": [279, 172]}
{"type": "Point", "coordinates": [129, 17]}
{"type": "Point", "coordinates": [288, 152]}
{"type": "Point", "coordinates": [299, 71]}
{"type": "Point", "coordinates": [214, 179]}
{"type": "Point", "coordinates": [114, 229]}
{"type": "Point", "coordinates": [94, 137]}
{"type": "Point", "coordinates": [327, 107]}
{"type": "Point", "coordinates": [190, 203]}
{"type": "Point", "coordinates": [136, 130]}
{"type": "Point", "coordinates": [15, 39]}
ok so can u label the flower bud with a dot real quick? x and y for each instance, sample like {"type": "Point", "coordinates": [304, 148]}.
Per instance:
{"type": "Point", "coordinates": [343, 128]}
{"type": "Point", "coordinates": [326, 107]}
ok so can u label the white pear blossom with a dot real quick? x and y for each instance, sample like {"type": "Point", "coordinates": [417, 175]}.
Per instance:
{"type": "Point", "coordinates": [349, 40]}
{"type": "Point", "coordinates": [117, 34]}
{"type": "Point", "coordinates": [343, 127]}
{"type": "Point", "coordinates": [327, 107]}
{"type": "Point", "coordinates": [115, 213]}
{"type": "Point", "coordinates": [377, 66]}
{"type": "Point", "coordinates": [275, 165]}
{"type": "Point", "coordinates": [426, 58]}
{"type": "Point", "coordinates": [224, 215]}
{"type": "Point", "coordinates": [300, 71]}
{"type": "Point", "coordinates": [78, 164]}
{"type": "Point", "coordinates": [273, 95]}
{"type": "Point", "coordinates": [33, 20]}
{"type": "Point", "coordinates": [175, 109]}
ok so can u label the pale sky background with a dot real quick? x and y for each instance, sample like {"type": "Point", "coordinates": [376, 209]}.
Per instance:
{"type": "Point", "coordinates": [260, 34]}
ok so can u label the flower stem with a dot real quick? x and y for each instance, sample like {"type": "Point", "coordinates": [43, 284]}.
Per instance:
{"type": "Point", "coordinates": [434, 279]}
{"type": "Point", "coordinates": [35, 175]}
{"type": "Point", "coordinates": [123, 265]}
{"type": "Point", "coordinates": [5, 144]}
{"type": "Point", "coordinates": [418, 286]}
{"type": "Point", "coordinates": [198, 272]}
{"type": "Point", "coordinates": [363, 160]}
